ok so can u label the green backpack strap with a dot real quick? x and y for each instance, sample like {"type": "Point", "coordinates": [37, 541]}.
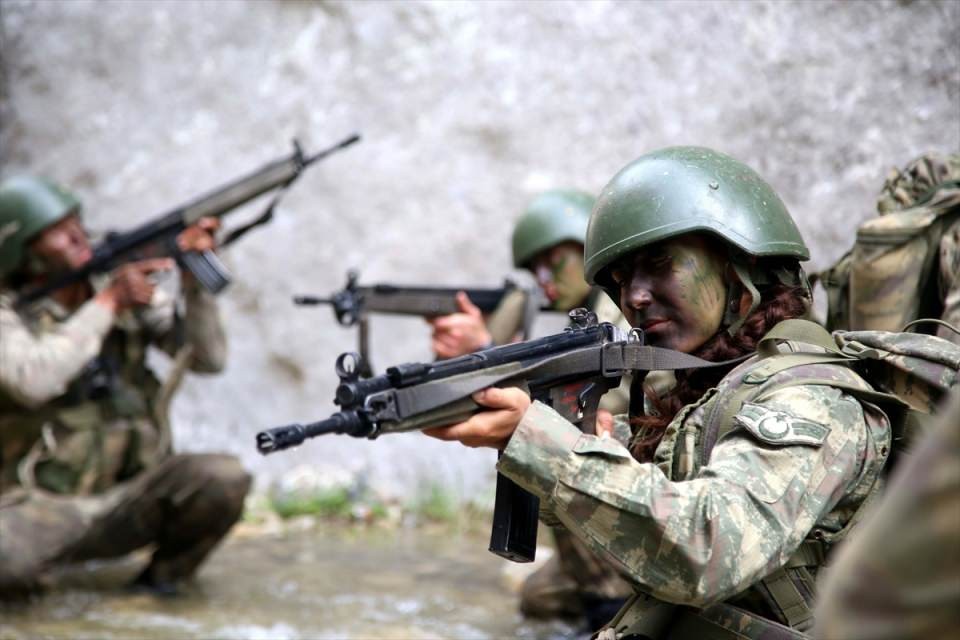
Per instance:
{"type": "Point", "coordinates": [797, 330]}
{"type": "Point", "coordinates": [772, 361]}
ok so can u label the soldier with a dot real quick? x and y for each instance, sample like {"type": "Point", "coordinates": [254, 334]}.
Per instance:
{"type": "Point", "coordinates": [87, 469]}
{"type": "Point", "coordinates": [722, 497]}
{"type": "Point", "coordinates": [903, 582]}
{"type": "Point", "coordinates": [548, 242]}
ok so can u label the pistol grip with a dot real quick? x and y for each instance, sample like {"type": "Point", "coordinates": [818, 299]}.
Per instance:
{"type": "Point", "coordinates": [207, 268]}
{"type": "Point", "coordinates": [515, 518]}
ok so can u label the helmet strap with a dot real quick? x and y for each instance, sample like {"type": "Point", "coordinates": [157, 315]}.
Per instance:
{"type": "Point", "coordinates": [732, 317]}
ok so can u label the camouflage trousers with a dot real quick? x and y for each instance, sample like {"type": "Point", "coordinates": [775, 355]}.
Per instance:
{"type": "Point", "coordinates": [183, 507]}
{"type": "Point", "coordinates": [575, 582]}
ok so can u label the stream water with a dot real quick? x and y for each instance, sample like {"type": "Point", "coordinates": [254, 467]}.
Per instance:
{"type": "Point", "coordinates": [316, 583]}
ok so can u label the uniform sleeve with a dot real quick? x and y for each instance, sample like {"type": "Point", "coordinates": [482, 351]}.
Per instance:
{"type": "Point", "coordinates": [35, 369]}
{"type": "Point", "coordinates": [506, 321]}
{"type": "Point", "coordinates": [950, 281]}
{"type": "Point", "coordinates": [703, 540]}
{"type": "Point", "coordinates": [202, 327]}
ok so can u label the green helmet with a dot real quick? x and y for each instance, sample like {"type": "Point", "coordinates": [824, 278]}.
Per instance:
{"type": "Point", "coordinates": [28, 205]}
{"type": "Point", "coordinates": [680, 190]}
{"type": "Point", "coordinates": [552, 218]}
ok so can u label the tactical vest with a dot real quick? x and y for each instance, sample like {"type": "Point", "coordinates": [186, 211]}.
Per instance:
{"type": "Point", "coordinates": [910, 373]}
{"type": "Point", "coordinates": [110, 424]}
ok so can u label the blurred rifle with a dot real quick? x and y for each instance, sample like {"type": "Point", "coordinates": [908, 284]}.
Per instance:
{"type": "Point", "coordinates": [569, 371]}
{"type": "Point", "coordinates": [159, 234]}
{"type": "Point", "coordinates": [354, 302]}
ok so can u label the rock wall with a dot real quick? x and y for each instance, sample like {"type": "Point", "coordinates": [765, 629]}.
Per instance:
{"type": "Point", "coordinates": [467, 109]}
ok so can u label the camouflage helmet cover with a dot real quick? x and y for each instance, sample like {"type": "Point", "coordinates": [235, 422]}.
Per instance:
{"type": "Point", "coordinates": [553, 217]}
{"type": "Point", "coordinates": [28, 205]}
{"type": "Point", "coordinates": [680, 190]}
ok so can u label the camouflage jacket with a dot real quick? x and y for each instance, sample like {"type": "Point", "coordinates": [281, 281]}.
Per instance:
{"type": "Point", "coordinates": [693, 531]}
{"type": "Point", "coordinates": [79, 407]}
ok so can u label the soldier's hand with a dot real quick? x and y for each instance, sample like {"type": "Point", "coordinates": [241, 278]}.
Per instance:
{"type": "Point", "coordinates": [459, 333]}
{"type": "Point", "coordinates": [491, 428]}
{"type": "Point", "coordinates": [200, 236]}
{"type": "Point", "coordinates": [131, 285]}
{"type": "Point", "coordinates": [604, 427]}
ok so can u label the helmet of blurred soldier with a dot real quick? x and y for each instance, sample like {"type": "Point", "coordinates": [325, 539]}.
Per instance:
{"type": "Point", "coordinates": [28, 205]}
{"type": "Point", "coordinates": [552, 218]}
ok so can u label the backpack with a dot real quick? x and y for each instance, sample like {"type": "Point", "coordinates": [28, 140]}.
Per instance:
{"type": "Point", "coordinates": [889, 277]}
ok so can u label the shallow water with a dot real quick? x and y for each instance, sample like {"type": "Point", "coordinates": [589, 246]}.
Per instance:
{"type": "Point", "coordinates": [319, 583]}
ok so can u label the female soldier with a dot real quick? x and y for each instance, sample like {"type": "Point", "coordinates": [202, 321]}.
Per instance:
{"type": "Point", "coordinates": [730, 488]}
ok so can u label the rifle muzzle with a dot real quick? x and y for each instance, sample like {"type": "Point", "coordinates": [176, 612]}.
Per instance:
{"type": "Point", "coordinates": [280, 438]}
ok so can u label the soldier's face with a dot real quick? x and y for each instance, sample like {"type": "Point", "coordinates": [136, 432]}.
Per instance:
{"type": "Point", "coordinates": [675, 291]}
{"type": "Point", "coordinates": [559, 272]}
{"type": "Point", "coordinates": [63, 246]}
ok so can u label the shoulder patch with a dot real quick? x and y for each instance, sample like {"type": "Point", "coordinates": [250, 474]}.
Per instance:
{"type": "Point", "coordinates": [778, 427]}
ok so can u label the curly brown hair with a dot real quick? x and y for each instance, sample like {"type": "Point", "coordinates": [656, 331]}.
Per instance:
{"type": "Point", "coordinates": [778, 302]}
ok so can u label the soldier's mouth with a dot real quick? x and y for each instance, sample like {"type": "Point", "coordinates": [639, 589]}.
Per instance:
{"type": "Point", "coordinates": [651, 325]}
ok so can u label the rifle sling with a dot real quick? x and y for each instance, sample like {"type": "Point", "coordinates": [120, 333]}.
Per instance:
{"type": "Point", "coordinates": [609, 360]}
{"type": "Point", "coordinates": [262, 219]}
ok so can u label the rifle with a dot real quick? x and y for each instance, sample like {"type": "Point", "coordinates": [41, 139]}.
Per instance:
{"type": "Point", "coordinates": [163, 229]}
{"type": "Point", "coordinates": [568, 371]}
{"type": "Point", "coordinates": [352, 304]}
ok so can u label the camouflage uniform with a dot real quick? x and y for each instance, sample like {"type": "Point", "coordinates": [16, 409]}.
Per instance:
{"type": "Point", "coordinates": [794, 468]}
{"type": "Point", "coordinates": [87, 466]}
{"type": "Point", "coordinates": [896, 581]}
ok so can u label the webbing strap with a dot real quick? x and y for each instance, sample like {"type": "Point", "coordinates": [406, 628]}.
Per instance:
{"type": "Point", "coordinates": [799, 330]}
{"type": "Point", "coordinates": [727, 622]}
{"type": "Point", "coordinates": [810, 553]}
{"type": "Point", "coordinates": [612, 359]}
{"type": "Point", "coordinates": [787, 597]}
{"type": "Point", "coordinates": [631, 356]}
{"type": "Point", "coordinates": [720, 421]}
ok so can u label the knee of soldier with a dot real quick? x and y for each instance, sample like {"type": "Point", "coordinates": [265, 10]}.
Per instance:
{"type": "Point", "coordinates": [222, 481]}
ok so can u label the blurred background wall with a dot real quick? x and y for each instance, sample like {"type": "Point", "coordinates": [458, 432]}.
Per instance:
{"type": "Point", "coordinates": [467, 110]}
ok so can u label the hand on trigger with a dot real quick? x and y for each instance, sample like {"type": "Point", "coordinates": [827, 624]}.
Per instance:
{"type": "Point", "coordinates": [131, 285]}
{"type": "Point", "coordinates": [199, 236]}
{"type": "Point", "coordinates": [459, 333]}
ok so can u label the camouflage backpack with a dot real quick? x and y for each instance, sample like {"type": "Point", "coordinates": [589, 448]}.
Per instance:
{"type": "Point", "coordinates": [889, 277]}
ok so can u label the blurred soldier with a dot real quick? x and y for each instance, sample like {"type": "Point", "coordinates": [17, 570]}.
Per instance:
{"type": "Point", "coordinates": [548, 242]}
{"type": "Point", "coordinates": [905, 264]}
{"type": "Point", "coordinates": [899, 578]}
{"type": "Point", "coordinates": [87, 468]}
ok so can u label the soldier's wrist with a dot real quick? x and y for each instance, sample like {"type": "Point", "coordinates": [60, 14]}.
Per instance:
{"type": "Point", "coordinates": [108, 298]}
